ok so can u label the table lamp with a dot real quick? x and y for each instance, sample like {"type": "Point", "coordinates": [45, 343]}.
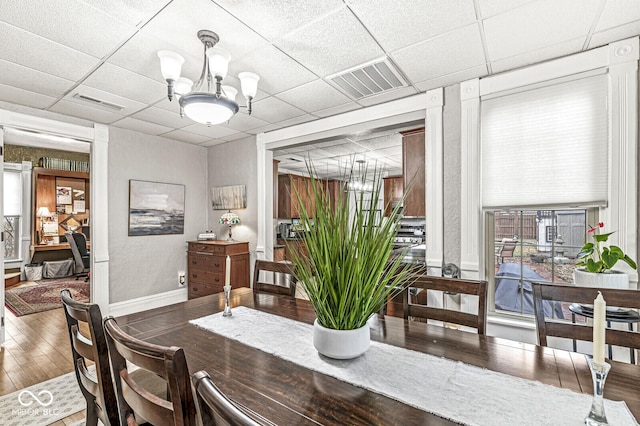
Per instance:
{"type": "Point", "coordinates": [42, 213]}
{"type": "Point", "coordinates": [230, 219]}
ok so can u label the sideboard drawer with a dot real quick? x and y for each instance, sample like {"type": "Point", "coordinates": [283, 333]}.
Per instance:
{"type": "Point", "coordinates": [206, 277]}
{"type": "Point", "coordinates": [206, 261]}
{"type": "Point", "coordinates": [206, 248]}
{"type": "Point", "coordinates": [201, 289]}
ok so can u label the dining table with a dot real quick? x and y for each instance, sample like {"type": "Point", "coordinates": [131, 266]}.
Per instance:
{"type": "Point", "coordinates": [287, 393]}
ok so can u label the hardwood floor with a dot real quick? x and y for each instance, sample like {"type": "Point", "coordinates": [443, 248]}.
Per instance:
{"type": "Point", "coordinates": [36, 349]}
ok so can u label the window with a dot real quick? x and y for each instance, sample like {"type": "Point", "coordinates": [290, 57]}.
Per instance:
{"type": "Point", "coordinates": [525, 255]}
{"type": "Point", "coordinates": [12, 211]}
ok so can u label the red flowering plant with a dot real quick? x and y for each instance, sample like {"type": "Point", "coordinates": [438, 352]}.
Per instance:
{"type": "Point", "coordinates": [596, 258]}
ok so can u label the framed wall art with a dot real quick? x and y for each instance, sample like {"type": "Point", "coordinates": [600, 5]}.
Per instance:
{"type": "Point", "coordinates": [155, 208]}
{"type": "Point", "coordinates": [228, 197]}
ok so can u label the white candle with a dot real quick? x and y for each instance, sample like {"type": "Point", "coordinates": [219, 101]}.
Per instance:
{"type": "Point", "coordinates": [599, 313]}
{"type": "Point", "coordinates": [227, 272]}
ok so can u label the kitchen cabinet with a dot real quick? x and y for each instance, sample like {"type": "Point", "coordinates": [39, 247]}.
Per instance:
{"type": "Point", "coordinates": [335, 190]}
{"type": "Point", "coordinates": [413, 166]}
{"type": "Point", "coordinates": [288, 203]}
{"type": "Point", "coordinates": [393, 188]}
{"type": "Point", "coordinates": [207, 266]}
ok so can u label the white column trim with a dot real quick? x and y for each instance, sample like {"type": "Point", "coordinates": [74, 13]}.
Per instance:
{"type": "Point", "coordinates": [470, 223]}
{"type": "Point", "coordinates": [621, 212]}
{"type": "Point", "coordinates": [434, 175]}
{"type": "Point", "coordinates": [26, 233]}
{"type": "Point", "coordinates": [264, 246]}
{"type": "Point", "coordinates": [99, 219]}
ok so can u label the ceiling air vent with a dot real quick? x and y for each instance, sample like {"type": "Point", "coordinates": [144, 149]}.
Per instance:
{"type": "Point", "coordinates": [98, 102]}
{"type": "Point", "coordinates": [369, 79]}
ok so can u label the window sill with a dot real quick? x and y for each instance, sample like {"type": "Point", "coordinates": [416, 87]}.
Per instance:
{"type": "Point", "coordinates": [512, 321]}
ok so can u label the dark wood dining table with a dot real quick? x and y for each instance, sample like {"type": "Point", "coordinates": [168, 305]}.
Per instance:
{"type": "Point", "coordinates": [290, 394]}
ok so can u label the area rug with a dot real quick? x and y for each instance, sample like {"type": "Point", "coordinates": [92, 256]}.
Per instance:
{"type": "Point", "coordinates": [44, 295]}
{"type": "Point", "coordinates": [43, 403]}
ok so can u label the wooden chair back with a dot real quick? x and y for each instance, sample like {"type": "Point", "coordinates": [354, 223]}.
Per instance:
{"type": "Point", "coordinates": [448, 285]}
{"type": "Point", "coordinates": [88, 343]}
{"type": "Point", "coordinates": [275, 267]}
{"type": "Point", "coordinates": [215, 408]}
{"type": "Point", "coordinates": [134, 399]}
{"type": "Point", "coordinates": [546, 327]}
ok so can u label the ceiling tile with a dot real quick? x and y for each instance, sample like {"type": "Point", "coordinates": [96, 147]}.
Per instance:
{"type": "Point", "coordinates": [212, 142]}
{"type": "Point", "coordinates": [72, 23]}
{"type": "Point", "coordinates": [537, 25]}
{"type": "Point", "coordinates": [617, 12]}
{"type": "Point", "coordinates": [274, 18]}
{"type": "Point", "coordinates": [235, 136]}
{"type": "Point", "coordinates": [314, 96]}
{"type": "Point", "coordinates": [131, 12]}
{"type": "Point", "coordinates": [277, 71]}
{"type": "Point", "coordinates": [451, 52]}
{"type": "Point", "coordinates": [337, 110]}
{"type": "Point", "coordinates": [86, 112]}
{"type": "Point", "coordinates": [50, 57]}
{"type": "Point", "coordinates": [493, 7]}
{"type": "Point", "coordinates": [24, 97]}
{"type": "Point", "coordinates": [297, 120]}
{"type": "Point", "coordinates": [119, 81]}
{"type": "Point", "coordinates": [528, 58]}
{"type": "Point", "coordinates": [335, 43]}
{"type": "Point", "coordinates": [244, 122]}
{"type": "Point", "coordinates": [274, 110]}
{"type": "Point", "coordinates": [32, 80]}
{"type": "Point", "coordinates": [211, 132]}
{"type": "Point", "coordinates": [453, 78]}
{"type": "Point", "coordinates": [128, 106]}
{"type": "Point", "coordinates": [398, 93]}
{"type": "Point", "coordinates": [142, 126]}
{"type": "Point", "coordinates": [162, 117]}
{"type": "Point", "coordinates": [395, 28]}
{"type": "Point", "coordinates": [615, 34]}
{"type": "Point", "coordinates": [180, 22]}
{"type": "Point", "coordinates": [181, 135]}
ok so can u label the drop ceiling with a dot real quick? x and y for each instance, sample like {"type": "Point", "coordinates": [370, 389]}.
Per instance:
{"type": "Point", "coordinates": [56, 54]}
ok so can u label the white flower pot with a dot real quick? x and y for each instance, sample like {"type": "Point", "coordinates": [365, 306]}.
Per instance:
{"type": "Point", "coordinates": [610, 279]}
{"type": "Point", "coordinates": [341, 344]}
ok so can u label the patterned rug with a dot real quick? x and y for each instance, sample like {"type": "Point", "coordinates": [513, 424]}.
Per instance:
{"type": "Point", "coordinates": [43, 403]}
{"type": "Point", "coordinates": [44, 295]}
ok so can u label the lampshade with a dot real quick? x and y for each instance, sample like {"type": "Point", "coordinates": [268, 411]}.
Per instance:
{"type": "Point", "coordinates": [230, 218]}
{"type": "Point", "coordinates": [206, 109]}
{"type": "Point", "coordinates": [170, 64]}
{"type": "Point", "coordinates": [229, 92]}
{"type": "Point", "coordinates": [249, 84]}
{"type": "Point", "coordinates": [43, 212]}
{"type": "Point", "coordinates": [182, 86]}
{"type": "Point", "coordinates": [218, 61]}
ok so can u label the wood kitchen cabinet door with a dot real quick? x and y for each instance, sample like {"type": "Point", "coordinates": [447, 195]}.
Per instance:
{"type": "Point", "coordinates": [393, 189]}
{"type": "Point", "coordinates": [413, 163]}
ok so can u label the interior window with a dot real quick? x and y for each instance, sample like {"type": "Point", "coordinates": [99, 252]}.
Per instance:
{"type": "Point", "coordinates": [534, 246]}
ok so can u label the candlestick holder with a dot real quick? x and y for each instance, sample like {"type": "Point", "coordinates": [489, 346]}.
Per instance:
{"type": "Point", "coordinates": [599, 372]}
{"type": "Point", "coordinates": [227, 309]}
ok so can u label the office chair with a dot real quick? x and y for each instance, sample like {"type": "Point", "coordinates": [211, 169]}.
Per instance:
{"type": "Point", "coordinates": [78, 243]}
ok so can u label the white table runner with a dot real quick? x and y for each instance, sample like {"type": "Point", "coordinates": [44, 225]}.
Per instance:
{"type": "Point", "coordinates": [450, 389]}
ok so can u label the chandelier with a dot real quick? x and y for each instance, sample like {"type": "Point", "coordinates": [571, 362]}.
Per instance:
{"type": "Point", "coordinates": [206, 101]}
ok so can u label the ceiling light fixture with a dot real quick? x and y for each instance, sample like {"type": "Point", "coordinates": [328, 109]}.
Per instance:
{"type": "Point", "coordinates": [207, 101]}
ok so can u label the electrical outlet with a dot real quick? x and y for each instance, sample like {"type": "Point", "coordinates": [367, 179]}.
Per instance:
{"type": "Point", "coordinates": [181, 279]}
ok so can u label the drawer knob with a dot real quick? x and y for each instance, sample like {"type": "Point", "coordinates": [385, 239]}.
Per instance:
{"type": "Point", "coordinates": [195, 262]}
{"type": "Point", "coordinates": [217, 280]}
{"type": "Point", "coordinates": [217, 265]}
{"type": "Point", "coordinates": [195, 289]}
{"type": "Point", "coordinates": [194, 275]}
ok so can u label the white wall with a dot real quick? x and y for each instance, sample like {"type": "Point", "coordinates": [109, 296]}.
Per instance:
{"type": "Point", "coordinates": [146, 265]}
{"type": "Point", "coordinates": [235, 163]}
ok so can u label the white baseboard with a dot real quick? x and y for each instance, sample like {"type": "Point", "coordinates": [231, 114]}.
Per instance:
{"type": "Point", "coordinates": [148, 302]}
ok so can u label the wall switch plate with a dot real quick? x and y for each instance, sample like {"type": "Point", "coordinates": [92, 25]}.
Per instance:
{"type": "Point", "coordinates": [181, 279]}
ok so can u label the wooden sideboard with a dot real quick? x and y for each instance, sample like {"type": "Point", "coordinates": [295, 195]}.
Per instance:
{"type": "Point", "coordinates": [207, 262]}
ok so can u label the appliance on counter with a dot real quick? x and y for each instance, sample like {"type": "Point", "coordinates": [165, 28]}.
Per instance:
{"type": "Point", "coordinates": [410, 238]}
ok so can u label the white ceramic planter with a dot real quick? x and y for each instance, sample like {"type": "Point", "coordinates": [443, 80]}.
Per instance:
{"type": "Point", "coordinates": [341, 344]}
{"type": "Point", "coordinates": [611, 279]}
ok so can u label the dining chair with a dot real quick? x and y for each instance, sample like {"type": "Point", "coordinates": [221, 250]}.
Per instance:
{"type": "Point", "coordinates": [215, 407]}
{"type": "Point", "coordinates": [280, 270]}
{"type": "Point", "coordinates": [88, 344]}
{"type": "Point", "coordinates": [424, 283]}
{"type": "Point", "coordinates": [135, 400]}
{"type": "Point", "coordinates": [582, 298]}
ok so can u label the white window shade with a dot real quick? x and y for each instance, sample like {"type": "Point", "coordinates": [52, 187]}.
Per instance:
{"type": "Point", "coordinates": [547, 146]}
{"type": "Point", "coordinates": [12, 193]}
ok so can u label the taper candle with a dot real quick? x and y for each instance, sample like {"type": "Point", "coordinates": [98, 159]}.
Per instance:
{"type": "Point", "coordinates": [599, 313]}
{"type": "Point", "coordinates": [227, 271]}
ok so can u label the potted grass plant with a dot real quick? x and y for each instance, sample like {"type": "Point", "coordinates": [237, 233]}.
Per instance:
{"type": "Point", "coordinates": [347, 266]}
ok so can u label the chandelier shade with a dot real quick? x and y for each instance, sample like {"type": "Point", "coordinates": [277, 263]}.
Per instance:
{"type": "Point", "coordinates": [207, 101]}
